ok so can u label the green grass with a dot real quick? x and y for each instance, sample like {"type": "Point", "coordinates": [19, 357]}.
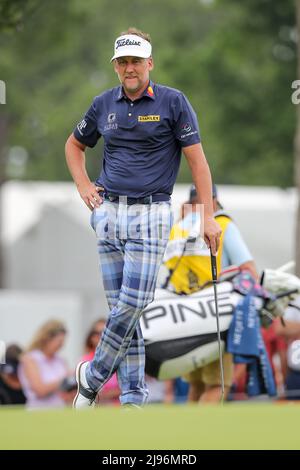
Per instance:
{"type": "Point", "coordinates": [233, 426]}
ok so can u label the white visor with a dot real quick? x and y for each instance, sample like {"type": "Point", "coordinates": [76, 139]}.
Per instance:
{"type": "Point", "coordinates": [133, 46]}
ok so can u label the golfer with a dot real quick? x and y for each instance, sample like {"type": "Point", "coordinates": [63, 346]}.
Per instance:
{"type": "Point", "coordinates": [145, 127]}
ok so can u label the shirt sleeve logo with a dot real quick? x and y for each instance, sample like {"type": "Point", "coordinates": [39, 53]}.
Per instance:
{"type": "Point", "coordinates": [187, 127]}
{"type": "Point", "coordinates": [186, 130]}
{"type": "Point", "coordinates": [149, 118]}
{"type": "Point", "coordinates": [81, 126]}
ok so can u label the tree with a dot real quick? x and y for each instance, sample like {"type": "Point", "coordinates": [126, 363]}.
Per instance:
{"type": "Point", "coordinates": [14, 12]}
{"type": "Point", "coordinates": [248, 67]}
{"type": "Point", "coordinates": [12, 15]}
{"type": "Point", "coordinates": [234, 60]}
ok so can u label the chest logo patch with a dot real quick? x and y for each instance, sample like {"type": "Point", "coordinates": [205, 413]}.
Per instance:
{"type": "Point", "coordinates": [149, 118]}
{"type": "Point", "coordinates": [111, 125]}
{"type": "Point", "coordinates": [111, 118]}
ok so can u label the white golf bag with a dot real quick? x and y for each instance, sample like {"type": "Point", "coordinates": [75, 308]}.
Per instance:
{"type": "Point", "coordinates": [180, 331]}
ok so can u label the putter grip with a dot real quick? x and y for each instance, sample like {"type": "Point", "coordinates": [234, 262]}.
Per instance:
{"type": "Point", "coordinates": [213, 267]}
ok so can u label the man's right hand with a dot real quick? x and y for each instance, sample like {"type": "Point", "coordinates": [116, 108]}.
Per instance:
{"type": "Point", "coordinates": [89, 194]}
{"type": "Point", "coordinates": [75, 158]}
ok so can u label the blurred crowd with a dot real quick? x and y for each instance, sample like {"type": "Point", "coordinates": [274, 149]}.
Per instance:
{"type": "Point", "coordinates": [39, 377]}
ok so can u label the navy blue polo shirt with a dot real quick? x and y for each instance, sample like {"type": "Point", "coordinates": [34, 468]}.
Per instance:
{"type": "Point", "coordinates": [142, 138]}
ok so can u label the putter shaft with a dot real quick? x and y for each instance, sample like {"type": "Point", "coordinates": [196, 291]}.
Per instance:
{"type": "Point", "coordinates": [214, 278]}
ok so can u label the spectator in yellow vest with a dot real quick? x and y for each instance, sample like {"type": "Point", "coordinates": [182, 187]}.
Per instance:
{"type": "Point", "coordinates": [189, 263]}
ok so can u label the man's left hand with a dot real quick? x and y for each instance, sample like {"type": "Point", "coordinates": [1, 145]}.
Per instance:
{"type": "Point", "coordinates": [212, 234]}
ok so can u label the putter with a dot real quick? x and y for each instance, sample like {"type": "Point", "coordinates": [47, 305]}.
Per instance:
{"type": "Point", "coordinates": [214, 279]}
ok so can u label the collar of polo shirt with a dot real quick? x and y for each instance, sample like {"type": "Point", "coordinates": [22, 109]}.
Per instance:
{"type": "Point", "coordinates": [131, 45]}
{"type": "Point", "coordinates": [148, 92]}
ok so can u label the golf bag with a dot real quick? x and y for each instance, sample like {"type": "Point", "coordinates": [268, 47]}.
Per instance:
{"type": "Point", "coordinates": [180, 331]}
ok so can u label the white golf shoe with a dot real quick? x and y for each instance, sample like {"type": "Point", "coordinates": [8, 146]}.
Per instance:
{"type": "Point", "coordinates": [85, 396]}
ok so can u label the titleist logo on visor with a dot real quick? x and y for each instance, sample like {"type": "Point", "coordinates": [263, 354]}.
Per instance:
{"type": "Point", "coordinates": [127, 42]}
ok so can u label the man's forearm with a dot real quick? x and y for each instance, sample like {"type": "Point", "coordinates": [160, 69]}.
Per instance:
{"type": "Point", "coordinates": [201, 176]}
{"type": "Point", "coordinates": [202, 179]}
{"type": "Point", "coordinates": [75, 158]}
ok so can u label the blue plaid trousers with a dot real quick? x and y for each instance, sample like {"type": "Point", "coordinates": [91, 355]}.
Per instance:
{"type": "Point", "coordinates": [131, 243]}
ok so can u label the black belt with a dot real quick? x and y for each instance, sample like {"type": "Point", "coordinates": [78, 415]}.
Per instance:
{"type": "Point", "coordinates": [158, 197]}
